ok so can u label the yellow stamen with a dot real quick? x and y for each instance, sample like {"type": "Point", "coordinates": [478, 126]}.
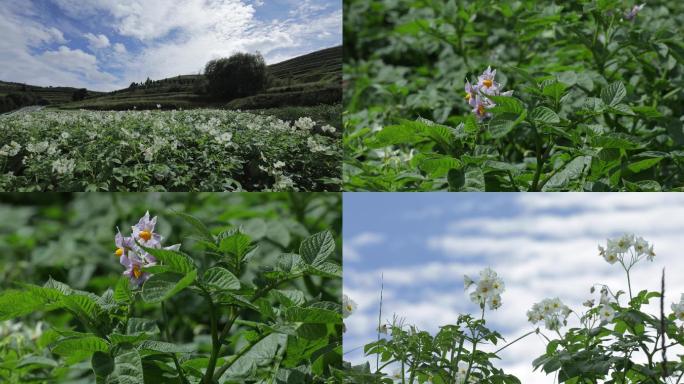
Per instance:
{"type": "Point", "coordinates": [137, 272]}
{"type": "Point", "coordinates": [487, 83]}
{"type": "Point", "coordinates": [467, 96]}
{"type": "Point", "coordinates": [480, 110]}
{"type": "Point", "coordinates": [145, 235]}
{"type": "Point", "coordinates": [119, 252]}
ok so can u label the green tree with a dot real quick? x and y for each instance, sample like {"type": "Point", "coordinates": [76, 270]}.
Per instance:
{"type": "Point", "coordinates": [242, 74]}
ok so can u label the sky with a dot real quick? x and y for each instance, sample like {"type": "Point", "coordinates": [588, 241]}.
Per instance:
{"type": "Point", "coordinates": [105, 45]}
{"type": "Point", "coordinates": [542, 245]}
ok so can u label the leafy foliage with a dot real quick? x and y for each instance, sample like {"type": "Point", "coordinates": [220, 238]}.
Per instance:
{"type": "Point", "coordinates": [596, 105]}
{"type": "Point", "coordinates": [207, 150]}
{"type": "Point", "coordinates": [209, 313]}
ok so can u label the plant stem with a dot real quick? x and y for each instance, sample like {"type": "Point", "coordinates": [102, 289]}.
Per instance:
{"type": "Point", "coordinates": [514, 341]}
{"type": "Point", "coordinates": [215, 343]}
{"type": "Point", "coordinates": [540, 160]}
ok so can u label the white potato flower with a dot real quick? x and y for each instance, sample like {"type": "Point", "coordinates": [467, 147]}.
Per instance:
{"type": "Point", "coordinates": [348, 306]}
{"type": "Point", "coordinates": [552, 311]}
{"type": "Point", "coordinates": [606, 312]}
{"type": "Point", "coordinates": [487, 290]}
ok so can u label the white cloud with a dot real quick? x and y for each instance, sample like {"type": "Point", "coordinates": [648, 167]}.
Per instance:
{"type": "Point", "coordinates": [351, 246]}
{"type": "Point", "coordinates": [119, 48]}
{"type": "Point", "coordinates": [21, 36]}
{"type": "Point", "coordinates": [547, 247]}
{"type": "Point", "coordinates": [168, 37]}
{"type": "Point", "coordinates": [97, 41]}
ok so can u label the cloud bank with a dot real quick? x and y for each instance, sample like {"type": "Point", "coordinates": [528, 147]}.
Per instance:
{"type": "Point", "coordinates": [130, 40]}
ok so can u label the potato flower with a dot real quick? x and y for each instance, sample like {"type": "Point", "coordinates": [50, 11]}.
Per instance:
{"type": "Point", "coordinates": [348, 306]}
{"type": "Point", "coordinates": [133, 256]}
{"type": "Point", "coordinates": [552, 311]}
{"type": "Point", "coordinates": [607, 313]}
{"type": "Point", "coordinates": [487, 290]}
{"type": "Point", "coordinates": [477, 95]}
{"type": "Point", "coordinates": [627, 250]}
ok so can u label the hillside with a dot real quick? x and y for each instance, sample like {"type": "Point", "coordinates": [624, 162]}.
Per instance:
{"type": "Point", "coordinates": [54, 95]}
{"type": "Point", "coordinates": [310, 79]}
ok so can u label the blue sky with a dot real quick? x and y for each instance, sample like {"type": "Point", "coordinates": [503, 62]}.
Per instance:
{"type": "Point", "coordinates": [107, 44]}
{"type": "Point", "coordinates": [542, 245]}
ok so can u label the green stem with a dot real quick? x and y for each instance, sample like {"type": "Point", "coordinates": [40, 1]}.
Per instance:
{"type": "Point", "coordinates": [514, 341]}
{"type": "Point", "coordinates": [215, 343]}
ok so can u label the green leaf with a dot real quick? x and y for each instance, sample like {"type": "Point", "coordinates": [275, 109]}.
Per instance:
{"type": "Point", "coordinates": [174, 260]}
{"type": "Point", "coordinates": [236, 245]}
{"type": "Point", "coordinates": [164, 285]}
{"type": "Point", "coordinates": [103, 364]}
{"type": "Point", "coordinates": [622, 109]}
{"type": "Point", "coordinates": [470, 126]}
{"type": "Point", "coordinates": [544, 115]}
{"type": "Point", "coordinates": [14, 303]}
{"type": "Point", "coordinates": [438, 166]}
{"type": "Point", "coordinates": [260, 354]}
{"type": "Point", "coordinates": [312, 315]}
{"type": "Point", "coordinates": [469, 179]}
{"type": "Point", "coordinates": [570, 171]}
{"type": "Point", "coordinates": [501, 125]}
{"type": "Point", "coordinates": [78, 345]}
{"type": "Point", "coordinates": [642, 165]}
{"type": "Point", "coordinates": [137, 326]}
{"type": "Point", "coordinates": [646, 111]}
{"type": "Point", "coordinates": [507, 104]}
{"type": "Point", "coordinates": [127, 367]}
{"type": "Point", "coordinates": [613, 93]}
{"type": "Point", "coordinates": [198, 225]}
{"type": "Point", "coordinates": [122, 291]}
{"type": "Point", "coordinates": [161, 346]}
{"type": "Point", "coordinates": [395, 134]}
{"type": "Point", "coordinates": [317, 248]}
{"type": "Point", "coordinates": [554, 90]}
{"type": "Point", "coordinates": [617, 140]}
{"type": "Point", "coordinates": [221, 279]}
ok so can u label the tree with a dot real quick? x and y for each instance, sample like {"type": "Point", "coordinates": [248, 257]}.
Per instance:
{"type": "Point", "coordinates": [79, 94]}
{"type": "Point", "coordinates": [240, 75]}
{"type": "Point", "coordinates": [133, 85]}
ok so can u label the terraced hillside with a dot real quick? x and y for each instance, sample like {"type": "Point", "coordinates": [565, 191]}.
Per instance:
{"type": "Point", "coordinates": [323, 65]}
{"type": "Point", "coordinates": [54, 95]}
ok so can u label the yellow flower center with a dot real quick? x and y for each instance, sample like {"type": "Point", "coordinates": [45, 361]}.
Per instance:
{"type": "Point", "coordinates": [137, 272]}
{"type": "Point", "coordinates": [119, 252]}
{"type": "Point", "coordinates": [349, 307]}
{"type": "Point", "coordinates": [487, 83]}
{"type": "Point", "coordinates": [145, 235]}
{"type": "Point", "coordinates": [480, 110]}
{"type": "Point", "coordinates": [467, 96]}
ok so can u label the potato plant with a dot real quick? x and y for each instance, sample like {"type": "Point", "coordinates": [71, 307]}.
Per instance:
{"type": "Point", "coordinates": [231, 310]}
{"type": "Point", "coordinates": [198, 150]}
{"type": "Point", "coordinates": [513, 96]}
{"type": "Point", "coordinates": [454, 355]}
{"type": "Point", "coordinates": [617, 339]}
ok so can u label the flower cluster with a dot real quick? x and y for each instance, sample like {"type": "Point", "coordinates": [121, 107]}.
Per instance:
{"type": "Point", "coordinates": [348, 306]}
{"type": "Point", "coordinates": [477, 95]}
{"type": "Point", "coordinates": [63, 166]}
{"type": "Point", "coordinates": [627, 245]}
{"type": "Point", "coordinates": [552, 311]}
{"type": "Point", "coordinates": [631, 14]}
{"type": "Point", "coordinates": [305, 123]}
{"type": "Point", "coordinates": [488, 290]}
{"type": "Point", "coordinates": [678, 308]}
{"type": "Point", "coordinates": [133, 256]}
{"type": "Point", "coordinates": [10, 150]}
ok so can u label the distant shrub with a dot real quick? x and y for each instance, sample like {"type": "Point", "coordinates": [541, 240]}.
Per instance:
{"type": "Point", "coordinates": [79, 94]}
{"type": "Point", "coordinates": [240, 75]}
